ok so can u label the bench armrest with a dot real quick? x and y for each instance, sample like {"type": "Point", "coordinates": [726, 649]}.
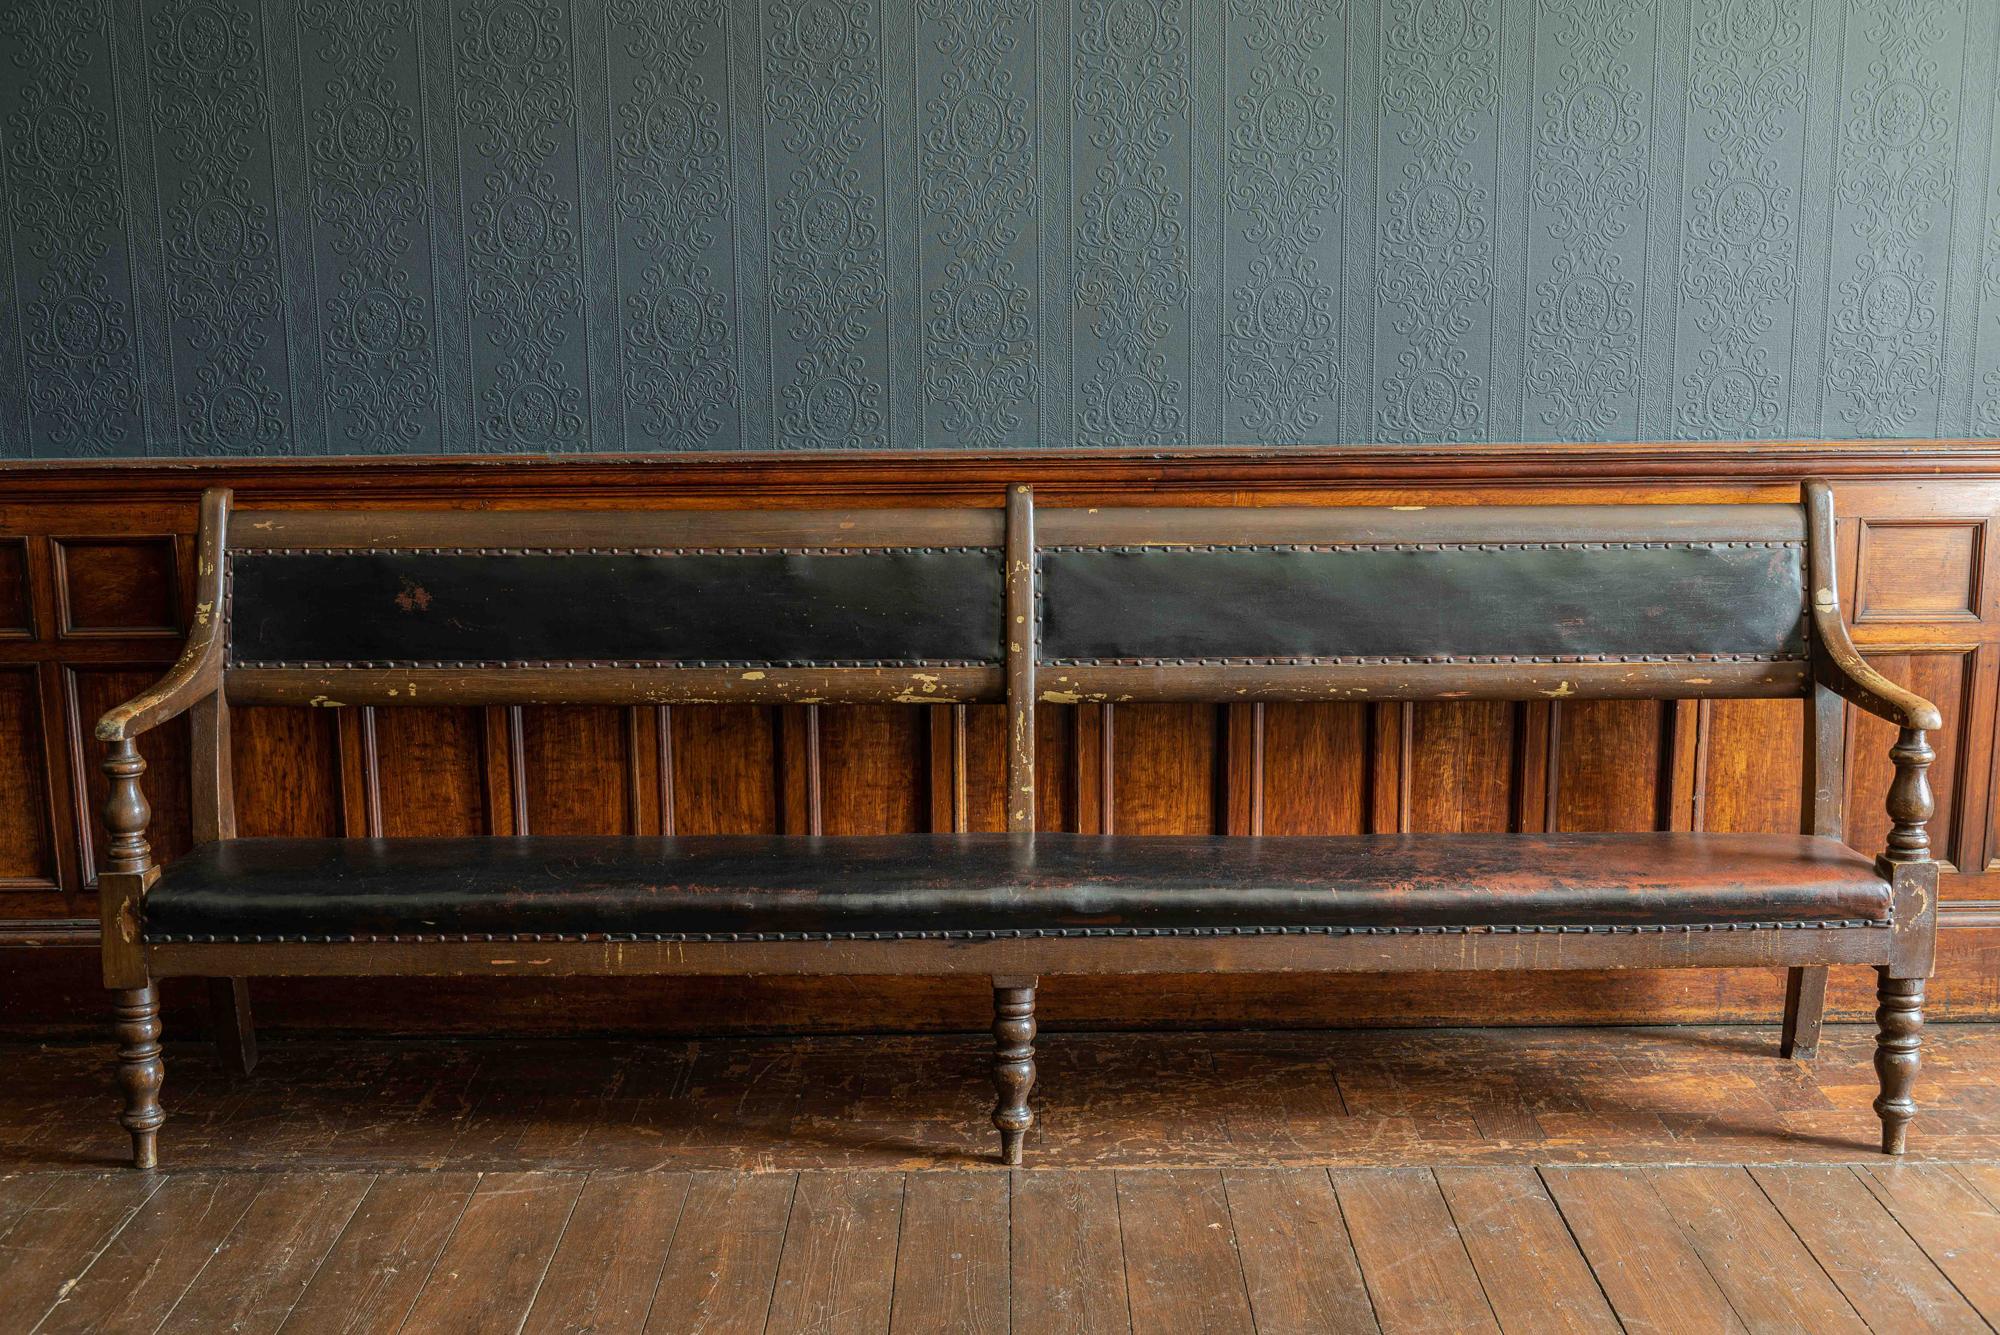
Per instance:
{"type": "Point", "coordinates": [198, 671]}
{"type": "Point", "coordinates": [1836, 663]}
{"type": "Point", "coordinates": [1839, 666]}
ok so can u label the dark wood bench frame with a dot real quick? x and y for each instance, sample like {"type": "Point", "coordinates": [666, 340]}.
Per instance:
{"type": "Point", "coordinates": [204, 685]}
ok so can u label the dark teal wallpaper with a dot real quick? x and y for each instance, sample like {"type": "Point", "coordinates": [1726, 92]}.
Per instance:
{"type": "Point", "coordinates": [345, 226]}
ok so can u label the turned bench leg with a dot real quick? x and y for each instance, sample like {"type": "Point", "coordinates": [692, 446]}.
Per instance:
{"type": "Point", "coordinates": [234, 1030]}
{"type": "Point", "coordinates": [1900, 1019]}
{"type": "Point", "coordinates": [1805, 1001]}
{"type": "Point", "coordinates": [1013, 1062]}
{"type": "Point", "coordinates": [140, 1070]}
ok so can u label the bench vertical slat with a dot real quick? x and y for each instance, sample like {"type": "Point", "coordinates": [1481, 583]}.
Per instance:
{"type": "Point", "coordinates": [1021, 652]}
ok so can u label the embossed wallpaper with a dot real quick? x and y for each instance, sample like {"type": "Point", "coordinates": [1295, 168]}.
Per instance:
{"type": "Point", "coordinates": [348, 226]}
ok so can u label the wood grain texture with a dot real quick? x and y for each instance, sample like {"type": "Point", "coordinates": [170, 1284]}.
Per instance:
{"type": "Point", "coordinates": [371, 1277]}
{"type": "Point", "coordinates": [607, 1267]}
{"type": "Point", "coordinates": [837, 1273]}
{"type": "Point", "coordinates": [1299, 1269]}
{"type": "Point", "coordinates": [723, 1266]}
{"type": "Point", "coordinates": [148, 1264]}
{"type": "Point", "coordinates": [61, 1237]}
{"type": "Point", "coordinates": [1881, 1271]}
{"type": "Point", "coordinates": [489, 1272]}
{"type": "Point", "coordinates": [1765, 1271]}
{"type": "Point", "coordinates": [1419, 1275]}
{"type": "Point", "coordinates": [1957, 1226]}
{"type": "Point", "coordinates": [1068, 1260]}
{"type": "Point", "coordinates": [263, 1266]}
{"type": "Point", "coordinates": [951, 1258]}
{"type": "Point", "coordinates": [1655, 1279]}
{"type": "Point", "coordinates": [1528, 1264]}
{"type": "Point", "coordinates": [1182, 1269]}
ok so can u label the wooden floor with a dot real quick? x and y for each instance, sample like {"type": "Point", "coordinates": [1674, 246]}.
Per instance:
{"type": "Point", "coordinates": [1661, 1179]}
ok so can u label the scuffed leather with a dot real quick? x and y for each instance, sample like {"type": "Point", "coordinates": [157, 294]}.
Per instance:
{"type": "Point", "coordinates": [956, 883]}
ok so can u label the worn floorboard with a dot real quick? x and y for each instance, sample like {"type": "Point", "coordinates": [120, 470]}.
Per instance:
{"type": "Point", "coordinates": [1448, 1181]}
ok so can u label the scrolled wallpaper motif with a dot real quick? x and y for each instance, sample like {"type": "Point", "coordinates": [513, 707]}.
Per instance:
{"type": "Point", "coordinates": [1440, 78]}
{"type": "Point", "coordinates": [1739, 258]}
{"type": "Point", "coordinates": [312, 227]}
{"type": "Point", "coordinates": [220, 249]}
{"type": "Point", "coordinates": [79, 355]}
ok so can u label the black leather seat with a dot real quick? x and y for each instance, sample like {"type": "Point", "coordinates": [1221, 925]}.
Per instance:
{"type": "Point", "coordinates": [768, 886]}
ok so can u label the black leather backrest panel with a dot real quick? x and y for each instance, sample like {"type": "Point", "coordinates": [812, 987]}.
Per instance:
{"type": "Point", "coordinates": [909, 606]}
{"type": "Point", "coordinates": [1553, 601]}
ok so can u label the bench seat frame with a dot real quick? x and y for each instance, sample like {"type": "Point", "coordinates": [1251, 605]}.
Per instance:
{"type": "Point", "coordinates": [203, 685]}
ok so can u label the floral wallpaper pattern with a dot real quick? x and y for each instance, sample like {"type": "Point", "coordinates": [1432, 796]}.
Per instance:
{"type": "Point", "coordinates": [309, 227]}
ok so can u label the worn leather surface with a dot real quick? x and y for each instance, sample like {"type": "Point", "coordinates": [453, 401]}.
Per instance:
{"type": "Point", "coordinates": [1625, 602]}
{"type": "Point", "coordinates": [911, 606]}
{"type": "Point", "coordinates": [947, 883]}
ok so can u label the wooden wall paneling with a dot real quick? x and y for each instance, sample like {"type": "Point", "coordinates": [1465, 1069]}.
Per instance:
{"type": "Point", "coordinates": [503, 786]}
{"type": "Point", "coordinates": [1391, 748]}
{"type": "Point", "coordinates": [27, 817]}
{"type": "Point", "coordinates": [17, 601]}
{"type": "Point", "coordinates": [726, 776]}
{"type": "Point", "coordinates": [1538, 734]}
{"type": "Point", "coordinates": [1461, 765]}
{"type": "Point", "coordinates": [1925, 570]}
{"type": "Point", "coordinates": [1243, 769]}
{"type": "Point", "coordinates": [287, 771]}
{"type": "Point", "coordinates": [123, 587]}
{"type": "Point", "coordinates": [947, 729]}
{"type": "Point", "coordinates": [1091, 748]}
{"type": "Point", "coordinates": [360, 789]}
{"type": "Point", "coordinates": [429, 769]}
{"type": "Point", "coordinates": [1315, 768]}
{"type": "Point", "coordinates": [579, 762]}
{"type": "Point", "coordinates": [969, 765]}
{"type": "Point", "coordinates": [874, 762]}
{"type": "Point", "coordinates": [1685, 756]}
{"type": "Point", "coordinates": [800, 759]}
{"type": "Point", "coordinates": [1165, 768]}
{"type": "Point", "coordinates": [1614, 767]}
{"type": "Point", "coordinates": [1749, 773]}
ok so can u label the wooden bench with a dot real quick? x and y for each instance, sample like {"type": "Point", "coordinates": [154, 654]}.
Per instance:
{"type": "Point", "coordinates": [1017, 605]}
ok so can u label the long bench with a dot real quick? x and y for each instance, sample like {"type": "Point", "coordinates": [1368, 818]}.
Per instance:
{"type": "Point", "coordinates": [336, 608]}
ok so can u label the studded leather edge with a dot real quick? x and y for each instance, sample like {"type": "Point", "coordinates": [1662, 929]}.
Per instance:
{"type": "Point", "coordinates": [1000, 934]}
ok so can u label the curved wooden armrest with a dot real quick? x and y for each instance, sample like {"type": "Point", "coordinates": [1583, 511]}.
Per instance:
{"type": "Point", "coordinates": [1840, 667]}
{"type": "Point", "coordinates": [1837, 664]}
{"type": "Point", "coordinates": [198, 671]}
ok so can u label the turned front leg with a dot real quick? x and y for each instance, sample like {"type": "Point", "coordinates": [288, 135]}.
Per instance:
{"type": "Point", "coordinates": [140, 1069]}
{"type": "Point", "coordinates": [1900, 1019]}
{"type": "Point", "coordinates": [1013, 1062]}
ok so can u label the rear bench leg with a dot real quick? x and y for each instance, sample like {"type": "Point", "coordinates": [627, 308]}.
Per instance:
{"type": "Point", "coordinates": [1805, 1001]}
{"type": "Point", "coordinates": [1900, 1019]}
{"type": "Point", "coordinates": [140, 1070]}
{"type": "Point", "coordinates": [229, 1019]}
{"type": "Point", "coordinates": [1013, 1062]}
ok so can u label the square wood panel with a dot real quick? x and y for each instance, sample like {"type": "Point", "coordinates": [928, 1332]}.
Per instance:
{"type": "Point", "coordinates": [17, 608]}
{"type": "Point", "coordinates": [125, 588]}
{"type": "Point", "coordinates": [1925, 570]}
{"type": "Point", "coordinates": [27, 840]}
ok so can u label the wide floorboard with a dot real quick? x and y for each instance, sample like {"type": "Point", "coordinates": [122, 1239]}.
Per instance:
{"type": "Point", "coordinates": [1396, 1181]}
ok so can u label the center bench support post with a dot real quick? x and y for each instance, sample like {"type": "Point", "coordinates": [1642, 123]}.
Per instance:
{"type": "Point", "coordinates": [1014, 997]}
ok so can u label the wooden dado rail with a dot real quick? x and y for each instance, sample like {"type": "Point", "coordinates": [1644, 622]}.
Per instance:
{"type": "Point", "coordinates": [96, 565]}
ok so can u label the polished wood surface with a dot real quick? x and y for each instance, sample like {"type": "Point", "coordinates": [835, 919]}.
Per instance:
{"type": "Point", "coordinates": [1470, 1179]}
{"type": "Point", "coordinates": [1165, 767]}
